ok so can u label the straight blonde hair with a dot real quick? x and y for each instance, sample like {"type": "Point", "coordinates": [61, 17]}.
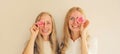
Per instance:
{"type": "Point", "coordinates": [66, 30]}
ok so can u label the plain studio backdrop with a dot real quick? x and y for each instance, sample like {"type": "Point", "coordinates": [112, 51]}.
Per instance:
{"type": "Point", "coordinates": [17, 16]}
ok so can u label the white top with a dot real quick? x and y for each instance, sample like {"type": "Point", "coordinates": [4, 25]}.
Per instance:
{"type": "Point", "coordinates": [47, 47]}
{"type": "Point", "coordinates": [75, 46]}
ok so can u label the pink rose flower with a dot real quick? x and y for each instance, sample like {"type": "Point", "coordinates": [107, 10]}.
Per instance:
{"type": "Point", "coordinates": [40, 23]}
{"type": "Point", "coordinates": [81, 20]}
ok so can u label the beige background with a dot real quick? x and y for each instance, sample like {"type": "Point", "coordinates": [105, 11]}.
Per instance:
{"type": "Point", "coordinates": [17, 16]}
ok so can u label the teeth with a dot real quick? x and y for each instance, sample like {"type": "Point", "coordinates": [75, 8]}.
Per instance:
{"type": "Point", "coordinates": [75, 26]}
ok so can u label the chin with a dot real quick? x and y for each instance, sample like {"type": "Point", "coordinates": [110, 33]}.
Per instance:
{"type": "Point", "coordinates": [46, 34]}
{"type": "Point", "coordinates": [75, 30]}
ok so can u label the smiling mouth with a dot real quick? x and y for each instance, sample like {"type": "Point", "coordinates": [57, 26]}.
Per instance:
{"type": "Point", "coordinates": [45, 30]}
{"type": "Point", "coordinates": [75, 26]}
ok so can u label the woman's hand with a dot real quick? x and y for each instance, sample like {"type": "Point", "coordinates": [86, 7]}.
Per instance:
{"type": "Point", "coordinates": [83, 29]}
{"type": "Point", "coordinates": [34, 30]}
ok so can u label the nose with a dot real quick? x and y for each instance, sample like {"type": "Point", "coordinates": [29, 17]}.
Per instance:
{"type": "Point", "coordinates": [45, 25]}
{"type": "Point", "coordinates": [75, 22]}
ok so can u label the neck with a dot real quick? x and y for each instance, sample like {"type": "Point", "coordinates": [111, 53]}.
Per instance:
{"type": "Point", "coordinates": [46, 38]}
{"type": "Point", "coordinates": [75, 35]}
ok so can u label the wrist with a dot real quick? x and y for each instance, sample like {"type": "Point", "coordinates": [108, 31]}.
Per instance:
{"type": "Point", "coordinates": [33, 37]}
{"type": "Point", "coordinates": [83, 37]}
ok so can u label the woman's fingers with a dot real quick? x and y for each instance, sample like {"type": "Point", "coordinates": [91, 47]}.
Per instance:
{"type": "Point", "coordinates": [84, 29]}
{"type": "Point", "coordinates": [34, 31]}
{"type": "Point", "coordinates": [86, 23]}
{"type": "Point", "coordinates": [34, 28]}
{"type": "Point", "coordinates": [81, 27]}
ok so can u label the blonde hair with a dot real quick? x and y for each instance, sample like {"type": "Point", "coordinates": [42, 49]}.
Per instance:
{"type": "Point", "coordinates": [66, 30]}
{"type": "Point", "coordinates": [38, 47]}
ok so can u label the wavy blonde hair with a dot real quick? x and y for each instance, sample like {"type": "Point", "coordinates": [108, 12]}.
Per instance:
{"type": "Point", "coordinates": [38, 47]}
{"type": "Point", "coordinates": [66, 30]}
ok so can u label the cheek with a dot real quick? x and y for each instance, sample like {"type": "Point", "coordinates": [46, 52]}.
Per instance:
{"type": "Point", "coordinates": [41, 28]}
{"type": "Point", "coordinates": [50, 29]}
{"type": "Point", "coordinates": [50, 26]}
{"type": "Point", "coordinates": [70, 23]}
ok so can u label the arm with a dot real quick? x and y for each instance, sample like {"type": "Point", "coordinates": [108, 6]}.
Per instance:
{"type": "Point", "coordinates": [84, 46]}
{"type": "Point", "coordinates": [84, 37]}
{"type": "Point", "coordinates": [29, 49]}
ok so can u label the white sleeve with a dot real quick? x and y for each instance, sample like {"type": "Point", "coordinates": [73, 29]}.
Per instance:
{"type": "Point", "coordinates": [92, 45]}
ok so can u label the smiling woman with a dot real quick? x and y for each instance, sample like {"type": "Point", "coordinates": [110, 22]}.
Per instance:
{"type": "Point", "coordinates": [76, 40]}
{"type": "Point", "coordinates": [43, 36]}
{"type": "Point", "coordinates": [17, 16]}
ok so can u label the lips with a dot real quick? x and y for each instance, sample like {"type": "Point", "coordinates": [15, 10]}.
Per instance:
{"type": "Point", "coordinates": [74, 27]}
{"type": "Point", "coordinates": [45, 31]}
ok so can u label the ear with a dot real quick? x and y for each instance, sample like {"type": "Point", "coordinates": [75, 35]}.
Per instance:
{"type": "Point", "coordinates": [86, 23]}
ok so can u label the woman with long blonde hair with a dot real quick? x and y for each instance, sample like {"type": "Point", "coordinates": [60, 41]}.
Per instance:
{"type": "Point", "coordinates": [43, 36]}
{"type": "Point", "coordinates": [76, 39]}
